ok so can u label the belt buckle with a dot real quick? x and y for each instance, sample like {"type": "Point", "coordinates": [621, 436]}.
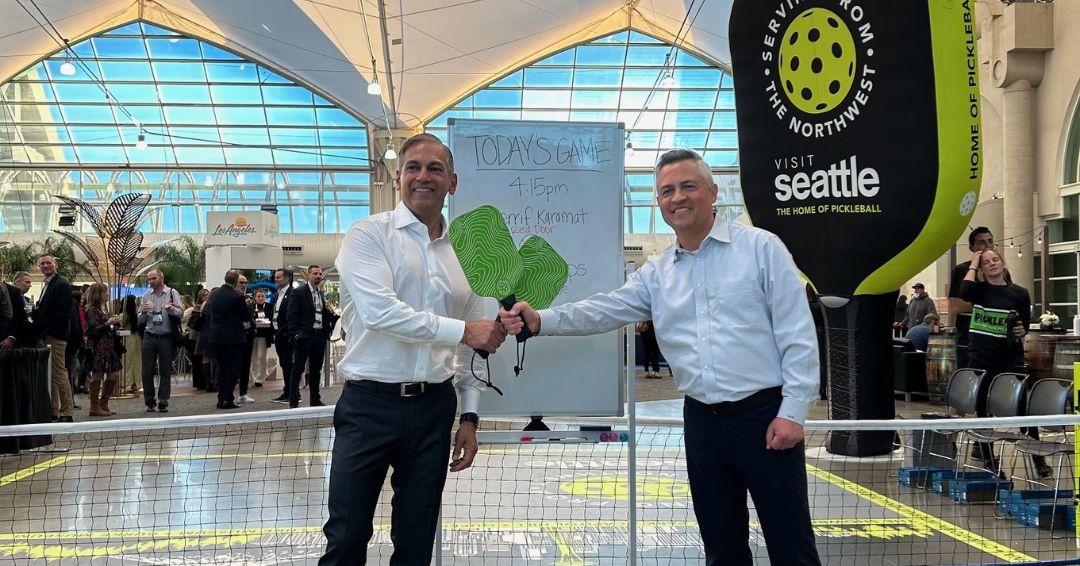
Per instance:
{"type": "Point", "coordinates": [405, 389]}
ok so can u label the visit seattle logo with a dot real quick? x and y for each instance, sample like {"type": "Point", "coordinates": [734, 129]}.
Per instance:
{"type": "Point", "coordinates": [237, 229]}
{"type": "Point", "coordinates": [818, 65]}
{"type": "Point", "coordinates": [818, 68]}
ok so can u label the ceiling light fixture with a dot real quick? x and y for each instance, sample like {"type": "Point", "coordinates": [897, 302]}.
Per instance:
{"type": "Point", "coordinates": [67, 68]}
{"type": "Point", "coordinates": [629, 153]}
{"type": "Point", "coordinates": [140, 143]}
{"type": "Point", "coordinates": [668, 81]}
{"type": "Point", "coordinates": [374, 88]}
{"type": "Point", "coordinates": [390, 154]}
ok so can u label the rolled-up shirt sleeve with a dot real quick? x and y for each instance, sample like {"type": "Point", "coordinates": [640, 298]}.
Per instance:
{"type": "Point", "coordinates": [367, 275]}
{"type": "Point", "coordinates": [467, 364]}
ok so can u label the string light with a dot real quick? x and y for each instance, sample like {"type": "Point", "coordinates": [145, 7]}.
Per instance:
{"type": "Point", "coordinates": [629, 151]}
{"type": "Point", "coordinates": [390, 154]}
{"type": "Point", "coordinates": [140, 143]}
{"type": "Point", "coordinates": [1020, 251]}
{"type": "Point", "coordinates": [1039, 240]}
{"type": "Point", "coordinates": [67, 68]}
{"type": "Point", "coordinates": [374, 88]}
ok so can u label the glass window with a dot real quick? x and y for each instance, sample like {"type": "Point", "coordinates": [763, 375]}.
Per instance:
{"type": "Point", "coordinates": [608, 55]}
{"type": "Point", "coordinates": [193, 72]}
{"type": "Point", "coordinates": [232, 73]}
{"type": "Point", "coordinates": [290, 95]}
{"type": "Point", "coordinates": [541, 77]}
{"type": "Point", "coordinates": [119, 47]}
{"type": "Point", "coordinates": [1071, 170]}
{"type": "Point", "coordinates": [498, 98]}
{"type": "Point", "coordinates": [199, 107]}
{"type": "Point", "coordinates": [174, 48]}
{"type": "Point", "coordinates": [186, 94]}
{"type": "Point", "coordinates": [613, 81]}
{"type": "Point", "coordinates": [598, 77]}
{"type": "Point", "coordinates": [126, 71]}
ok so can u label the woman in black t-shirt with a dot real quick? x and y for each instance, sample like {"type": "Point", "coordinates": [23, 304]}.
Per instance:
{"type": "Point", "coordinates": [1000, 315]}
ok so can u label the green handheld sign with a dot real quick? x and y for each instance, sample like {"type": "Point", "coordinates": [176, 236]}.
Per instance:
{"type": "Point", "coordinates": [859, 133]}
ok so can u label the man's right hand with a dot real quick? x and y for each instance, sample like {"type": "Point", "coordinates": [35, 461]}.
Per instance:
{"type": "Point", "coordinates": [146, 307]}
{"type": "Point", "coordinates": [7, 343]}
{"type": "Point", "coordinates": [486, 335]}
{"type": "Point", "coordinates": [520, 314]}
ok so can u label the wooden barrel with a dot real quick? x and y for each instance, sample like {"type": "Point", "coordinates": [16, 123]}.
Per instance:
{"type": "Point", "coordinates": [1039, 350]}
{"type": "Point", "coordinates": [1066, 352]}
{"type": "Point", "coordinates": [940, 365]}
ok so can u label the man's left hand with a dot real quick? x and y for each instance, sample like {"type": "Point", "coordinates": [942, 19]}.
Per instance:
{"type": "Point", "coordinates": [783, 434]}
{"type": "Point", "coordinates": [464, 447]}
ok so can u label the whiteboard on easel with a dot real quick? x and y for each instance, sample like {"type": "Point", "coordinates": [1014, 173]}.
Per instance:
{"type": "Point", "coordinates": [562, 181]}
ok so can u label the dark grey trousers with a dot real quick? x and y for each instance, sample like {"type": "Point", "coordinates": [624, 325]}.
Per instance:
{"type": "Point", "coordinates": [375, 429]}
{"type": "Point", "coordinates": [157, 354]}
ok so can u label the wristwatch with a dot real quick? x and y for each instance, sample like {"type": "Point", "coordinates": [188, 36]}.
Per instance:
{"type": "Point", "coordinates": [470, 418]}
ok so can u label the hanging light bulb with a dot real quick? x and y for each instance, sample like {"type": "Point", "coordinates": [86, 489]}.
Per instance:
{"type": "Point", "coordinates": [1020, 251]}
{"type": "Point", "coordinates": [390, 153]}
{"type": "Point", "coordinates": [140, 143]}
{"type": "Point", "coordinates": [208, 181]}
{"type": "Point", "coordinates": [1039, 240]}
{"type": "Point", "coordinates": [1011, 243]}
{"type": "Point", "coordinates": [374, 88]}
{"type": "Point", "coordinates": [67, 68]}
{"type": "Point", "coordinates": [668, 81]}
{"type": "Point", "coordinates": [629, 153]}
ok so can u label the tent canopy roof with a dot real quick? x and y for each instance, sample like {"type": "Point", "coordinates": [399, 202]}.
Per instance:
{"type": "Point", "coordinates": [437, 52]}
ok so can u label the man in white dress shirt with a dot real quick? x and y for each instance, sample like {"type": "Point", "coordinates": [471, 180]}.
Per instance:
{"type": "Point", "coordinates": [732, 320]}
{"type": "Point", "coordinates": [405, 302]}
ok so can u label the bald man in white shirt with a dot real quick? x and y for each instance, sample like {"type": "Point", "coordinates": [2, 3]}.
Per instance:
{"type": "Point", "coordinates": [412, 322]}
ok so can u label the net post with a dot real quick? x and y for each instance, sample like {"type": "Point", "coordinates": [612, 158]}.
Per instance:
{"type": "Point", "coordinates": [631, 419]}
{"type": "Point", "coordinates": [1076, 447]}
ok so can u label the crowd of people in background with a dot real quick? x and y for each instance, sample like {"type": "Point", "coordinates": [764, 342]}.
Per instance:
{"type": "Point", "coordinates": [107, 347]}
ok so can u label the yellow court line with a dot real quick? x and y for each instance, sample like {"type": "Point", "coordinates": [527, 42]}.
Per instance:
{"type": "Point", "coordinates": [924, 519]}
{"type": "Point", "coordinates": [569, 525]}
{"type": "Point", "coordinates": [27, 472]}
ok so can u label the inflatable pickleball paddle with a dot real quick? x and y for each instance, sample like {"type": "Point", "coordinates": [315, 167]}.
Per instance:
{"type": "Point", "coordinates": [859, 146]}
{"type": "Point", "coordinates": [496, 268]}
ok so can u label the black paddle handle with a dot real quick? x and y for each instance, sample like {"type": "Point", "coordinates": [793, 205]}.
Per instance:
{"type": "Point", "coordinates": [507, 303]}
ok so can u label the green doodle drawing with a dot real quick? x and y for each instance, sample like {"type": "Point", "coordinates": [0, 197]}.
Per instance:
{"type": "Point", "coordinates": [495, 268]}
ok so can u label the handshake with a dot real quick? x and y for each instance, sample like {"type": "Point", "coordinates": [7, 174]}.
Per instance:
{"type": "Point", "coordinates": [488, 335]}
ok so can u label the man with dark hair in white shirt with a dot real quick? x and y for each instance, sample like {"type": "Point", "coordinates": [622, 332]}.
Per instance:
{"type": "Point", "coordinates": [732, 320]}
{"type": "Point", "coordinates": [405, 302]}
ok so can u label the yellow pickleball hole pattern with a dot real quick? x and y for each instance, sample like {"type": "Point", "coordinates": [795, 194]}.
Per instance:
{"type": "Point", "coordinates": [817, 61]}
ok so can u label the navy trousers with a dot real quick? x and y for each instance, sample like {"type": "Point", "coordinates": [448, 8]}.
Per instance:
{"type": "Point", "coordinates": [375, 428]}
{"type": "Point", "coordinates": [725, 458]}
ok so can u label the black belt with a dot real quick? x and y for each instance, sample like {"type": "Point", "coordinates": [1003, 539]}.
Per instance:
{"type": "Point", "coordinates": [156, 335]}
{"type": "Point", "coordinates": [411, 389]}
{"type": "Point", "coordinates": [755, 401]}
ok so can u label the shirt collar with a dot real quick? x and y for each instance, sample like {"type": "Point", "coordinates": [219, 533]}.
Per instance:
{"type": "Point", "coordinates": [48, 279]}
{"type": "Point", "coordinates": [720, 231]}
{"type": "Point", "coordinates": [404, 218]}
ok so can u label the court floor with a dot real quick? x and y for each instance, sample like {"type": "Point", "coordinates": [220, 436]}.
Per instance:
{"type": "Point", "coordinates": [254, 494]}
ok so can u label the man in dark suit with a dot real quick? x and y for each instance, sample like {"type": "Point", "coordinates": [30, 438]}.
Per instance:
{"type": "Point", "coordinates": [283, 278]}
{"type": "Point", "coordinates": [18, 333]}
{"type": "Point", "coordinates": [6, 313]}
{"type": "Point", "coordinates": [51, 321]}
{"type": "Point", "coordinates": [311, 321]}
{"type": "Point", "coordinates": [229, 311]}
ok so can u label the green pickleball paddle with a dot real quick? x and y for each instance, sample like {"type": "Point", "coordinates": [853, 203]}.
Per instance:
{"type": "Point", "coordinates": [495, 268]}
{"type": "Point", "coordinates": [486, 251]}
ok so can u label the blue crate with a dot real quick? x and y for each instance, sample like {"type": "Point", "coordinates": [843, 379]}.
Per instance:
{"type": "Point", "coordinates": [976, 490]}
{"type": "Point", "coordinates": [943, 478]}
{"type": "Point", "coordinates": [1038, 512]}
{"type": "Point", "coordinates": [919, 475]}
{"type": "Point", "coordinates": [1009, 501]}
